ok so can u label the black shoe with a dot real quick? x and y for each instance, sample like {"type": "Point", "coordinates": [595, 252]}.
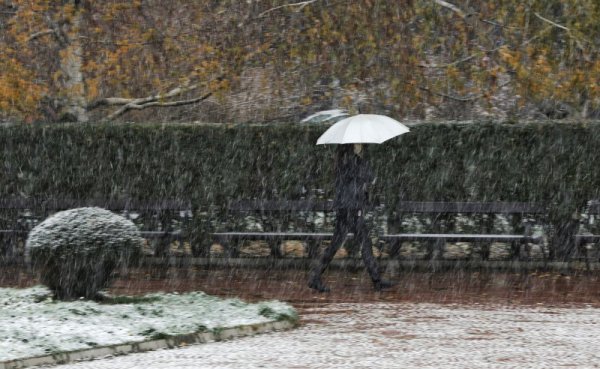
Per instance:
{"type": "Point", "coordinates": [383, 284]}
{"type": "Point", "coordinates": [318, 286]}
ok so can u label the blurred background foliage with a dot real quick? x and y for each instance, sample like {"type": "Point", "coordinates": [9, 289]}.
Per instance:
{"type": "Point", "coordinates": [268, 60]}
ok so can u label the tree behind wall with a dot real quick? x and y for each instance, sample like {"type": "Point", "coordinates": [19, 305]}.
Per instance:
{"type": "Point", "coordinates": [273, 60]}
{"type": "Point", "coordinates": [83, 55]}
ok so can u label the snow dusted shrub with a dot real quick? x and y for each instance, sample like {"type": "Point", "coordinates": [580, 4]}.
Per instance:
{"type": "Point", "coordinates": [76, 251]}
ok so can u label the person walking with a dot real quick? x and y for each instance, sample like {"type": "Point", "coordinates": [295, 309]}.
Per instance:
{"type": "Point", "coordinates": [352, 179]}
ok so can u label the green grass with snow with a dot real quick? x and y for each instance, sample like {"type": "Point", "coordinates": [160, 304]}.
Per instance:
{"type": "Point", "coordinates": [33, 324]}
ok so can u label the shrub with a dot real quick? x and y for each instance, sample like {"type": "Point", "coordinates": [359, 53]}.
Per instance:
{"type": "Point", "coordinates": [77, 251]}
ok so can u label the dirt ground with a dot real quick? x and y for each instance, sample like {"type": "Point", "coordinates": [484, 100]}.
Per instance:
{"type": "Point", "coordinates": [347, 286]}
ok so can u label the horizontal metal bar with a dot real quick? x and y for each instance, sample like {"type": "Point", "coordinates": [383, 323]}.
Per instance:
{"type": "Point", "coordinates": [470, 207]}
{"type": "Point", "coordinates": [452, 237]}
{"type": "Point", "coordinates": [389, 237]}
{"type": "Point", "coordinates": [280, 205]}
{"type": "Point", "coordinates": [273, 235]}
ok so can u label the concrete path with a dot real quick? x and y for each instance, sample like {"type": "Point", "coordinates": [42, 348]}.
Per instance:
{"type": "Point", "coordinates": [406, 335]}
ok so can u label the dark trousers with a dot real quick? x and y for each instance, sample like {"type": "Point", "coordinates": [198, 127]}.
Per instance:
{"type": "Point", "coordinates": [349, 220]}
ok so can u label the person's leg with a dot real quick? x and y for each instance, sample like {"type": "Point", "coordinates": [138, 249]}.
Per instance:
{"type": "Point", "coordinates": [339, 235]}
{"type": "Point", "coordinates": [361, 233]}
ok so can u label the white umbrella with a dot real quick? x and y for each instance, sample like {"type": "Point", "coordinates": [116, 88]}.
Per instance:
{"type": "Point", "coordinates": [362, 128]}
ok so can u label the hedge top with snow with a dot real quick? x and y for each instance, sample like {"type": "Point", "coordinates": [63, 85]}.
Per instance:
{"type": "Point", "coordinates": [84, 229]}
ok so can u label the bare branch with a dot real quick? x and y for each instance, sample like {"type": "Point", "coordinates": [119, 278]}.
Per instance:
{"type": "Point", "coordinates": [568, 30]}
{"type": "Point", "coordinates": [172, 103]}
{"type": "Point", "coordinates": [133, 106]}
{"type": "Point", "coordinates": [158, 100]}
{"type": "Point", "coordinates": [112, 101]}
{"type": "Point", "coordinates": [452, 7]}
{"type": "Point", "coordinates": [62, 39]}
{"type": "Point", "coordinates": [299, 6]}
{"type": "Point", "coordinates": [535, 37]}
{"type": "Point", "coordinates": [33, 36]}
{"type": "Point", "coordinates": [578, 42]}
{"type": "Point", "coordinates": [108, 101]}
{"type": "Point", "coordinates": [551, 22]}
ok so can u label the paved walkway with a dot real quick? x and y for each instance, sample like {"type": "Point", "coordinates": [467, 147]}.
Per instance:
{"type": "Point", "coordinates": [404, 335]}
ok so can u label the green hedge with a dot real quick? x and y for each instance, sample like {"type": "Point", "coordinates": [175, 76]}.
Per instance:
{"type": "Point", "coordinates": [553, 163]}
{"type": "Point", "coordinates": [538, 162]}
{"type": "Point", "coordinates": [213, 163]}
{"type": "Point", "coordinates": [204, 163]}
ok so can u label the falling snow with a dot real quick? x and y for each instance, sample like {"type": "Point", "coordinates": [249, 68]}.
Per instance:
{"type": "Point", "coordinates": [404, 336]}
{"type": "Point", "coordinates": [32, 324]}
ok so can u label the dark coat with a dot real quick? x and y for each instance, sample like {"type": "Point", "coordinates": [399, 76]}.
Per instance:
{"type": "Point", "coordinates": [352, 179]}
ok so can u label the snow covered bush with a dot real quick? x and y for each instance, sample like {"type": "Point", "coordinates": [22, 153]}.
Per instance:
{"type": "Point", "coordinates": [77, 251]}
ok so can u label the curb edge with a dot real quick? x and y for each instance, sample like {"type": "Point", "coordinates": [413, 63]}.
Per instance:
{"type": "Point", "coordinates": [150, 345]}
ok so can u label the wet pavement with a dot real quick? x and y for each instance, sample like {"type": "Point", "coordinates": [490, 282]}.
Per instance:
{"type": "Point", "coordinates": [355, 286]}
{"type": "Point", "coordinates": [463, 287]}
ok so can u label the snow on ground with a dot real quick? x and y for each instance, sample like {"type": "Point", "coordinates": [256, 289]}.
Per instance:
{"type": "Point", "coordinates": [404, 336]}
{"type": "Point", "coordinates": [32, 324]}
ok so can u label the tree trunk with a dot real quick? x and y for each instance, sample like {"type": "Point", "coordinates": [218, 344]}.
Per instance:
{"type": "Point", "coordinates": [71, 63]}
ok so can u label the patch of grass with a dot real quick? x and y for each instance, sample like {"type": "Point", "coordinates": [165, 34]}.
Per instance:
{"type": "Point", "coordinates": [153, 334]}
{"type": "Point", "coordinates": [269, 313]}
{"type": "Point", "coordinates": [41, 298]}
{"type": "Point", "coordinates": [114, 300]}
{"type": "Point", "coordinates": [157, 312]}
{"type": "Point", "coordinates": [77, 312]}
{"type": "Point", "coordinates": [151, 317]}
{"type": "Point", "coordinates": [53, 350]}
{"type": "Point", "coordinates": [201, 328]}
{"type": "Point", "coordinates": [148, 332]}
{"type": "Point", "coordinates": [217, 332]}
{"type": "Point", "coordinates": [160, 336]}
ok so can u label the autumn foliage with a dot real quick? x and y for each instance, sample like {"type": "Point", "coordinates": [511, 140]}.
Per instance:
{"type": "Point", "coordinates": [279, 60]}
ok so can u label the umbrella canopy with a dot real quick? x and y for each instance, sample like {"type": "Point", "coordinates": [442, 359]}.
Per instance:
{"type": "Point", "coordinates": [362, 128]}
